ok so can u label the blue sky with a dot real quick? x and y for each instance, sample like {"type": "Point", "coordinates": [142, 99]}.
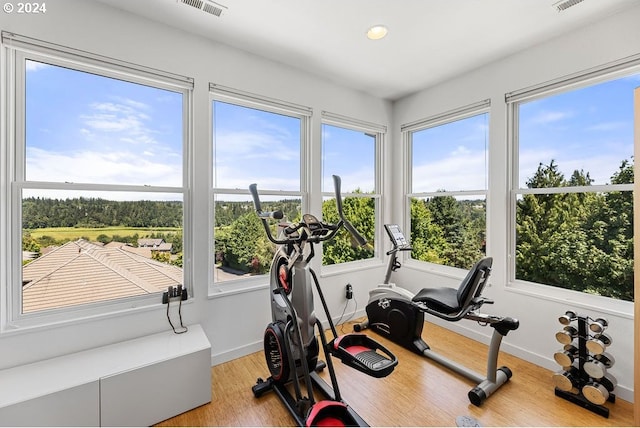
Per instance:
{"type": "Point", "coordinates": [91, 129]}
{"type": "Point", "coordinates": [451, 156]}
{"type": "Point", "coordinates": [87, 128]}
{"type": "Point", "coordinates": [588, 129]}
{"type": "Point", "coordinates": [349, 154]}
{"type": "Point", "coordinates": [255, 146]}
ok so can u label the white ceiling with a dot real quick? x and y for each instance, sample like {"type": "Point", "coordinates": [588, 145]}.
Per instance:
{"type": "Point", "coordinates": [429, 41]}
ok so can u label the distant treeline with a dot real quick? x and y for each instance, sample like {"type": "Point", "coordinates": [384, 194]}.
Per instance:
{"type": "Point", "coordinates": [40, 213]}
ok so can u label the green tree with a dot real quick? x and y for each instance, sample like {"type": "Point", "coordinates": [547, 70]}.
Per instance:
{"type": "Point", "coordinates": [580, 241]}
{"type": "Point", "coordinates": [427, 238]}
{"type": "Point", "coordinates": [29, 243]}
{"type": "Point", "coordinates": [360, 211]}
{"type": "Point", "coordinates": [244, 245]}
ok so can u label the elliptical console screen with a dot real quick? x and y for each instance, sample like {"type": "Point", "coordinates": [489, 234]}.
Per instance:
{"type": "Point", "coordinates": [396, 235]}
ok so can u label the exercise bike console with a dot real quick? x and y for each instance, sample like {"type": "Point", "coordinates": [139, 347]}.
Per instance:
{"type": "Point", "coordinates": [397, 237]}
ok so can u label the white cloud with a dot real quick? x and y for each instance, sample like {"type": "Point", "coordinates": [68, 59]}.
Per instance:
{"type": "Point", "coordinates": [545, 117]}
{"type": "Point", "coordinates": [119, 118]}
{"type": "Point", "coordinates": [246, 145]}
{"type": "Point", "coordinates": [607, 126]}
{"type": "Point", "coordinates": [98, 167]}
{"type": "Point", "coordinates": [463, 169]}
{"type": "Point", "coordinates": [35, 66]}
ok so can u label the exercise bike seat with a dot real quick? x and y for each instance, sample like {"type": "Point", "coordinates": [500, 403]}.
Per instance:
{"type": "Point", "coordinates": [453, 304]}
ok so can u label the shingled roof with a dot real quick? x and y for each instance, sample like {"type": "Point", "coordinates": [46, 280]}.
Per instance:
{"type": "Point", "coordinates": [81, 272]}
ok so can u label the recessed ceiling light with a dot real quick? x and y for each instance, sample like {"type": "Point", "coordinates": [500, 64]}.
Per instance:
{"type": "Point", "coordinates": [377, 32]}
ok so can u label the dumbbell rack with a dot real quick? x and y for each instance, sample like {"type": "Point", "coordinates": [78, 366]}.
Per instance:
{"type": "Point", "coordinates": [583, 378]}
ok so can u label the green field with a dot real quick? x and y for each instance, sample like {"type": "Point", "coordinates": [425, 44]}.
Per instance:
{"type": "Point", "coordinates": [90, 233]}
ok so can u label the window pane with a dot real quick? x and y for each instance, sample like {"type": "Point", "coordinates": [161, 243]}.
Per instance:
{"type": "Point", "coordinates": [351, 155]}
{"type": "Point", "coordinates": [448, 230]}
{"type": "Point", "coordinates": [255, 146]}
{"type": "Point", "coordinates": [585, 133]}
{"type": "Point", "coordinates": [451, 157]}
{"type": "Point", "coordinates": [578, 241]}
{"type": "Point", "coordinates": [241, 244]}
{"type": "Point", "coordinates": [89, 247]}
{"type": "Point", "coordinates": [360, 211]}
{"type": "Point", "coordinates": [86, 128]}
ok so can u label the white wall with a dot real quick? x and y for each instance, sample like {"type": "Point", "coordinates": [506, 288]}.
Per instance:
{"type": "Point", "coordinates": [610, 39]}
{"type": "Point", "coordinates": [233, 323]}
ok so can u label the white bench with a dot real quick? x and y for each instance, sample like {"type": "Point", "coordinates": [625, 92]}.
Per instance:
{"type": "Point", "coordinates": [135, 383]}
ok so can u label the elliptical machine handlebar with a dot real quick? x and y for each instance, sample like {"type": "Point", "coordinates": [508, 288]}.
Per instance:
{"type": "Point", "coordinates": [347, 225]}
{"type": "Point", "coordinates": [319, 231]}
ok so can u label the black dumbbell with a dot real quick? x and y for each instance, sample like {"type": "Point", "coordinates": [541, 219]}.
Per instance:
{"type": "Point", "coordinates": [567, 318]}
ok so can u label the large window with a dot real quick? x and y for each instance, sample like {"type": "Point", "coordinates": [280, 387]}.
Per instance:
{"type": "Point", "coordinates": [97, 179]}
{"type": "Point", "coordinates": [573, 180]}
{"type": "Point", "coordinates": [350, 149]}
{"type": "Point", "coordinates": [255, 140]}
{"type": "Point", "coordinates": [448, 185]}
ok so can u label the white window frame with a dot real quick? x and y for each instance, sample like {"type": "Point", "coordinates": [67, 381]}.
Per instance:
{"type": "Point", "coordinates": [407, 130]}
{"type": "Point", "coordinates": [380, 132]}
{"type": "Point", "coordinates": [16, 49]}
{"type": "Point", "coordinates": [610, 71]}
{"type": "Point", "coordinates": [272, 105]}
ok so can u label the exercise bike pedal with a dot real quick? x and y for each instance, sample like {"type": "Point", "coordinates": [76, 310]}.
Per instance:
{"type": "Point", "coordinates": [364, 354]}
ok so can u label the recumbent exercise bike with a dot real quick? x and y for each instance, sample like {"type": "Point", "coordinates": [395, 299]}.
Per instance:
{"type": "Point", "coordinates": [290, 345]}
{"type": "Point", "coordinates": [398, 314]}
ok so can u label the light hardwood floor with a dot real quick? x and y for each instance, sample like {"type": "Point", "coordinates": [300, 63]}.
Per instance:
{"type": "Point", "coordinates": [418, 393]}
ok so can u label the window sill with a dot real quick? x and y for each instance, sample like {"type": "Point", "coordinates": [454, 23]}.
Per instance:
{"type": "Point", "coordinates": [435, 269]}
{"type": "Point", "coordinates": [238, 286]}
{"type": "Point", "coordinates": [343, 268]}
{"type": "Point", "coordinates": [41, 322]}
{"type": "Point", "coordinates": [573, 299]}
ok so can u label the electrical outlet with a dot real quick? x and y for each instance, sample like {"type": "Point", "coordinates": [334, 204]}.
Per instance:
{"type": "Point", "coordinates": [173, 292]}
{"type": "Point", "coordinates": [349, 292]}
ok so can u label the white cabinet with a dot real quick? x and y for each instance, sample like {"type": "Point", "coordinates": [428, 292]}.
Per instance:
{"type": "Point", "coordinates": [135, 383]}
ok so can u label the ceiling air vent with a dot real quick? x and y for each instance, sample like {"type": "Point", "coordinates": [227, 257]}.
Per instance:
{"type": "Point", "coordinates": [208, 6]}
{"type": "Point", "coordinates": [565, 4]}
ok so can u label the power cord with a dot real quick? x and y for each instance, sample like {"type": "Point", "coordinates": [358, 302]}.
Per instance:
{"type": "Point", "coordinates": [180, 293]}
{"type": "Point", "coordinates": [342, 322]}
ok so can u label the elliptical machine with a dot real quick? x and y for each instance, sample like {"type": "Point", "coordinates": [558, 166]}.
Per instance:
{"type": "Point", "coordinates": [398, 315]}
{"type": "Point", "coordinates": [290, 345]}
